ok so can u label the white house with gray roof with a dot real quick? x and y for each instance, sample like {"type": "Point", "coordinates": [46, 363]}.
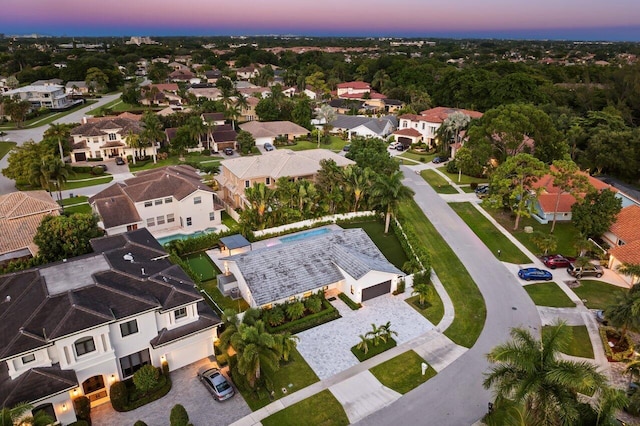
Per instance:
{"type": "Point", "coordinates": [365, 126]}
{"type": "Point", "coordinates": [345, 260]}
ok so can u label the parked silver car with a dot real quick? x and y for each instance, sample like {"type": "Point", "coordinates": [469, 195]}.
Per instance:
{"type": "Point", "coordinates": [216, 384]}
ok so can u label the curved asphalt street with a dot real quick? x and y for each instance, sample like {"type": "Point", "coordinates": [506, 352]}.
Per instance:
{"type": "Point", "coordinates": [35, 134]}
{"type": "Point", "coordinates": [455, 396]}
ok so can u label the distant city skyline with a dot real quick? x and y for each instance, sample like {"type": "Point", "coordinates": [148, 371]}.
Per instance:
{"type": "Point", "coordinates": [615, 20]}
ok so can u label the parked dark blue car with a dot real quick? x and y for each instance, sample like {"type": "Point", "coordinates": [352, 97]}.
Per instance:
{"type": "Point", "coordinates": [529, 274]}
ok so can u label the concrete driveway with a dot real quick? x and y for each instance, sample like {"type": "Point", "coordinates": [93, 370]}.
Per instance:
{"type": "Point", "coordinates": [187, 390]}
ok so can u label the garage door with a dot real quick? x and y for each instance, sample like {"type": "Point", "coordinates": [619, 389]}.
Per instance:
{"type": "Point", "coordinates": [376, 290]}
{"type": "Point", "coordinates": [404, 141]}
{"type": "Point", "coordinates": [81, 156]}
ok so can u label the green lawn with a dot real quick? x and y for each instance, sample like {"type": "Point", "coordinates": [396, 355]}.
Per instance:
{"type": "Point", "coordinates": [387, 243]}
{"type": "Point", "coordinates": [201, 264]}
{"type": "Point", "coordinates": [403, 373]}
{"type": "Point", "coordinates": [5, 147]}
{"type": "Point", "coordinates": [74, 200]}
{"type": "Point", "coordinates": [336, 145]}
{"type": "Point", "coordinates": [580, 344]}
{"type": "Point", "coordinates": [598, 294]}
{"type": "Point", "coordinates": [489, 234]}
{"type": "Point", "coordinates": [421, 157]}
{"type": "Point", "coordinates": [208, 160]}
{"type": "Point", "coordinates": [467, 189]}
{"type": "Point", "coordinates": [373, 350]}
{"type": "Point", "coordinates": [229, 221]}
{"type": "Point", "coordinates": [211, 288]}
{"type": "Point", "coordinates": [549, 294]}
{"type": "Point", "coordinates": [116, 105]}
{"type": "Point", "coordinates": [320, 409]}
{"type": "Point", "coordinates": [565, 232]}
{"type": "Point", "coordinates": [293, 376]}
{"type": "Point", "coordinates": [84, 183]}
{"type": "Point", "coordinates": [438, 183]}
{"type": "Point", "coordinates": [470, 310]}
{"type": "Point", "coordinates": [82, 208]}
{"type": "Point", "coordinates": [434, 310]}
{"type": "Point", "coordinates": [464, 179]}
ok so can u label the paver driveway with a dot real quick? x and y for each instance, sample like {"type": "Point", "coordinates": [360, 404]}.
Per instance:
{"type": "Point", "coordinates": [187, 390]}
{"type": "Point", "coordinates": [327, 348]}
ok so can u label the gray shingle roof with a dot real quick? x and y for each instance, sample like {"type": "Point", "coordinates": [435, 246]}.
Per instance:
{"type": "Point", "coordinates": [280, 271]}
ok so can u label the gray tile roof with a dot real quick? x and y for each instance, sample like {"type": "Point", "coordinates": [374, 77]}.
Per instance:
{"type": "Point", "coordinates": [35, 384]}
{"type": "Point", "coordinates": [376, 125]}
{"type": "Point", "coordinates": [280, 271]}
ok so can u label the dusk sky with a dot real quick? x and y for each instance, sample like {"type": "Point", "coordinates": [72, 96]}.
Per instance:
{"type": "Point", "coordinates": [541, 19]}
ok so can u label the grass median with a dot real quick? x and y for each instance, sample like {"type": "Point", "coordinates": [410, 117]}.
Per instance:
{"type": "Point", "coordinates": [470, 310]}
{"type": "Point", "coordinates": [437, 182]}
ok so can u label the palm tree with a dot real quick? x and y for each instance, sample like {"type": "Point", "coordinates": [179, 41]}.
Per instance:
{"type": "Point", "coordinates": [359, 180]}
{"type": "Point", "coordinates": [363, 345]}
{"type": "Point", "coordinates": [424, 291]}
{"type": "Point", "coordinates": [257, 351]}
{"type": "Point", "coordinates": [60, 132]}
{"type": "Point", "coordinates": [19, 415]}
{"type": "Point", "coordinates": [388, 192]}
{"type": "Point", "coordinates": [633, 370]}
{"type": "Point", "coordinates": [631, 269]}
{"type": "Point", "coordinates": [451, 128]}
{"type": "Point", "coordinates": [58, 174]}
{"type": "Point", "coordinates": [233, 112]}
{"type": "Point", "coordinates": [625, 312]}
{"type": "Point", "coordinates": [385, 332]}
{"type": "Point", "coordinates": [260, 197]}
{"type": "Point", "coordinates": [608, 403]}
{"type": "Point", "coordinates": [374, 335]}
{"type": "Point", "coordinates": [39, 174]}
{"type": "Point", "coordinates": [545, 242]}
{"type": "Point", "coordinates": [326, 114]}
{"type": "Point", "coordinates": [286, 343]}
{"type": "Point", "coordinates": [529, 372]}
{"type": "Point", "coordinates": [152, 132]}
{"type": "Point", "coordinates": [133, 141]}
{"type": "Point", "coordinates": [196, 129]}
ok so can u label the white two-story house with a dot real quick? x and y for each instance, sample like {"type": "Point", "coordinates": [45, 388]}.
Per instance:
{"type": "Point", "coordinates": [108, 137]}
{"type": "Point", "coordinates": [75, 327]}
{"type": "Point", "coordinates": [427, 124]}
{"type": "Point", "coordinates": [53, 97]}
{"type": "Point", "coordinates": [162, 199]}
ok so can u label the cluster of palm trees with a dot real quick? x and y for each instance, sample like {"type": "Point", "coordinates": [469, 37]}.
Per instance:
{"type": "Point", "coordinates": [335, 190]}
{"type": "Point", "coordinates": [377, 335]}
{"type": "Point", "coordinates": [533, 385]}
{"type": "Point", "coordinates": [19, 414]}
{"type": "Point", "coordinates": [258, 352]}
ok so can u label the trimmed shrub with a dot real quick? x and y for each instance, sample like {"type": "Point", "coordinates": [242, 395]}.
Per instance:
{"type": "Point", "coordinates": [97, 171]}
{"type": "Point", "coordinates": [179, 416]}
{"type": "Point", "coordinates": [95, 159]}
{"type": "Point", "coordinates": [295, 310]}
{"type": "Point", "coordinates": [313, 304]}
{"type": "Point", "coordinates": [146, 378]}
{"type": "Point", "coordinates": [82, 406]}
{"type": "Point", "coordinates": [274, 316]}
{"type": "Point", "coordinates": [119, 396]}
{"type": "Point", "coordinates": [350, 303]}
{"type": "Point", "coordinates": [401, 287]}
{"type": "Point", "coordinates": [329, 313]}
{"type": "Point", "coordinates": [452, 167]}
{"type": "Point", "coordinates": [165, 368]}
{"type": "Point", "coordinates": [473, 185]}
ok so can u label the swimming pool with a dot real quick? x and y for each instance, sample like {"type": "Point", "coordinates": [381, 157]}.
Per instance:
{"type": "Point", "coordinates": [303, 235]}
{"type": "Point", "coordinates": [164, 240]}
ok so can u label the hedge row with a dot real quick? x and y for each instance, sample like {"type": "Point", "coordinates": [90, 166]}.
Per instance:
{"type": "Point", "coordinates": [350, 303]}
{"type": "Point", "coordinates": [326, 315]}
{"type": "Point", "coordinates": [196, 244]}
{"type": "Point", "coordinates": [411, 244]}
{"type": "Point", "coordinates": [120, 395]}
{"type": "Point", "coordinates": [615, 356]}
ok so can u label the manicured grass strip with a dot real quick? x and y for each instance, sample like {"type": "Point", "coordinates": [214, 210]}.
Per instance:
{"type": "Point", "coordinates": [467, 189]}
{"type": "Point", "coordinates": [229, 221]}
{"type": "Point", "coordinates": [549, 294]}
{"type": "Point", "coordinates": [403, 373]}
{"type": "Point", "coordinates": [336, 145]}
{"type": "Point", "coordinates": [73, 200]}
{"type": "Point", "coordinates": [211, 288]}
{"type": "Point", "coordinates": [84, 183]}
{"type": "Point", "coordinates": [598, 294]}
{"type": "Point", "coordinates": [470, 310]}
{"type": "Point", "coordinates": [464, 179]}
{"type": "Point", "coordinates": [387, 243]}
{"type": "Point", "coordinates": [320, 409]}
{"type": "Point", "coordinates": [296, 373]}
{"type": "Point", "coordinates": [580, 344]}
{"type": "Point", "coordinates": [437, 182]}
{"type": "Point", "coordinates": [433, 310]}
{"type": "Point", "coordinates": [202, 265]}
{"type": "Point", "coordinates": [5, 147]}
{"type": "Point", "coordinates": [373, 350]}
{"type": "Point", "coordinates": [566, 234]}
{"type": "Point", "coordinates": [421, 157]}
{"type": "Point", "coordinates": [82, 208]}
{"type": "Point", "coordinates": [489, 234]}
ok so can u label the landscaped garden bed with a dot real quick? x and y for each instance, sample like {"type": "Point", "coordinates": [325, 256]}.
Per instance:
{"type": "Point", "coordinates": [433, 310]}
{"type": "Point", "coordinates": [374, 342]}
{"type": "Point", "coordinates": [126, 396]}
{"type": "Point", "coordinates": [350, 303]}
{"type": "Point", "coordinates": [281, 317]}
{"type": "Point", "coordinates": [617, 347]}
{"type": "Point", "coordinates": [373, 350]}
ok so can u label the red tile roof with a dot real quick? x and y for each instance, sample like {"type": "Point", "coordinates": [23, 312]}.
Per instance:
{"type": "Point", "coordinates": [354, 85]}
{"type": "Point", "coordinates": [408, 132]}
{"type": "Point", "coordinates": [627, 225]}
{"type": "Point", "coordinates": [439, 114]}
{"type": "Point", "coordinates": [628, 253]}
{"type": "Point", "coordinates": [548, 202]}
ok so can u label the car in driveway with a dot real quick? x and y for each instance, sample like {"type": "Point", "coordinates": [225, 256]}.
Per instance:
{"type": "Point", "coordinates": [482, 191]}
{"type": "Point", "coordinates": [400, 147]}
{"type": "Point", "coordinates": [216, 384]}
{"type": "Point", "coordinates": [119, 161]}
{"type": "Point", "coordinates": [554, 261]}
{"type": "Point", "coordinates": [102, 166]}
{"type": "Point", "coordinates": [268, 147]}
{"type": "Point", "coordinates": [438, 160]}
{"type": "Point", "coordinates": [530, 274]}
{"type": "Point", "coordinates": [346, 148]}
{"type": "Point", "coordinates": [588, 270]}
{"type": "Point", "coordinates": [228, 151]}
{"type": "Point", "coordinates": [600, 317]}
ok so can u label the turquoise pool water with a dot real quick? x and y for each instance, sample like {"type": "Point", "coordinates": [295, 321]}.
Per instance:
{"type": "Point", "coordinates": [166, 239]}
{"type": "Point", "coordinates": [303, 235]}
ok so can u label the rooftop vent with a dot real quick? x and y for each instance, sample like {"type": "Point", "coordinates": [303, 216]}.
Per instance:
{"type": "Point", "coordinates": [7, 299]}
{"type": "Point", "coordinates": [128, 257]}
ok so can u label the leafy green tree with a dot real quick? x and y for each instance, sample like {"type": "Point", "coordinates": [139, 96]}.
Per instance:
{"type": "Point", "coordinates": [246, 141]}
{"type": "Point", "coordinates": [96, 78]}
{"type": "Point", "coordinates": [182, 140]}
{"type": "Point", "coordinates": [512, 184]}
{"type": "Point", "coordinates": [372, 153]}
{"type": "Point", "coordinates": [178, 416]}
{"type": "Point", "coordinates": [472, 162]}
{"type": "Point", "coordinates": [530, 373]}
{"type": "Point", "coordinates": [625, 312]}
{"type": "Point", "coordinates": [267, 109]}
{"type": "Point", "coordinates": [568, 179]}
{"type": "Point", "coordinates": [301, 113]}
{"type": "Point", "coordinates": [19, 415]}
{"type": "Point", "coordinates": [62, 237]}
{"type": "Point", "coordinates": [146, 378]}
{"type": "Point", "coordinates": [330, 182]}
{"type": "Point", "coordinates": [158, 72]}
{"type": "Point", "coordinates": [388, 192]}
{"type": "Point", "coordinates": [545, 242]}
{"type": "Point", "coordinates": [16, 109]}
{"type": "Point", "coordinates": [594, 215]}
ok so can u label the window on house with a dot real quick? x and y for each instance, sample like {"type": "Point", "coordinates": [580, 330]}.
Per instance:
{"type": "Point", "coordinates": [180, 313]}
{"type": "Point", "coordinates": [170, 218]}
{"type": "Point", "coordinates": [292, 299]}
{"type": "Point", "coordinates": [352, 292]}
{"type": "Point", "coordinates": [84, 346]}
{"type": "Point", "coordinates": [160, 220]}
{"type": "Point", "coordinates": [134, 362]}
{"type": "Point", "coordinates": [212, 216]}
{"type": "Point", "coordinates": [197, 200]}
{"type": "Point", "coordinates": [28, 358]}
{"type": "Point", "coordinates": [151, 222]}
{"type": "Point", "coordinates": [112, 136]}
{"type": "Point", "coordinates": [267, 181]}
{"type": "Point", "coordinates": [168, 200]}
{"type": "Point", "coordinates": [158, 202]}
{"type": "Point", "coordinates": [132, 227]}
{"type": "Point", "coordinates": [48, 410]}
{"type": "Point", "coordinates": [129, 327]}
{"type": "Point", "coordinates": [247, 184]}
{"type": "Point", "coordinates": [188, 221]}
{"type": "Point", "coordinates": [148, 203]}
{"type": "Point", "coordinates": [307, 294]}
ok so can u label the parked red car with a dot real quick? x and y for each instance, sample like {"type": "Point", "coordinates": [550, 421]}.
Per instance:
{"type": "Point", "coordinates": [554, 261]}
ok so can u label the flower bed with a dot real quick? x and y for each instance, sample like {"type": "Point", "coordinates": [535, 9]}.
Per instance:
{"type": "Point", "coordinates": [615, 348]}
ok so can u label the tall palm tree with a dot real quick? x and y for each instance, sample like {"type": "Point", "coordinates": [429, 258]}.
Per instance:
{"type": "Point", "coordinates": [153, 131]}
{"type": "Point", "coordinates": [196, 129]}
{"type": "Point", "coordinates": [233, 112]}
{"type": "Point", "coordinates": [260, 197]}
{"type": "Point", "coordinates": [625, 312]}
{"type": "Point", "coordinates": [19, 415]}
{"type": "Point", "coordinates": [530, 372]}
{"type": "Point", "coordinates": [285, 344]}
{"type": "Point", "coordinates": [633, 370]}
{"type": "Point", "coordinates": [359, 181]}
{"type": "Point", "coordinates": [134, 142]}
{"type": "Point", "coordinates": [451, 128]}
{"type": "Point", "coordinates": [388, 192]}
{"type": "Point", "coordinates": [257, 351]}
{"type": "Point", "coordinates": [59, 132]}
{"type": "Point", "coordinates": [58, 174]}
{"type": "Point", "coordinates": [326, 114]}
{"type": "Point", "coordinates": [424, 291]}
{"type": "Point", "coordinates": [39, 174]}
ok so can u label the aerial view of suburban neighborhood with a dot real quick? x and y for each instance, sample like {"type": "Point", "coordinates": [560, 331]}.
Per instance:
{"type": "Point", "coordinates": [241, 227]}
